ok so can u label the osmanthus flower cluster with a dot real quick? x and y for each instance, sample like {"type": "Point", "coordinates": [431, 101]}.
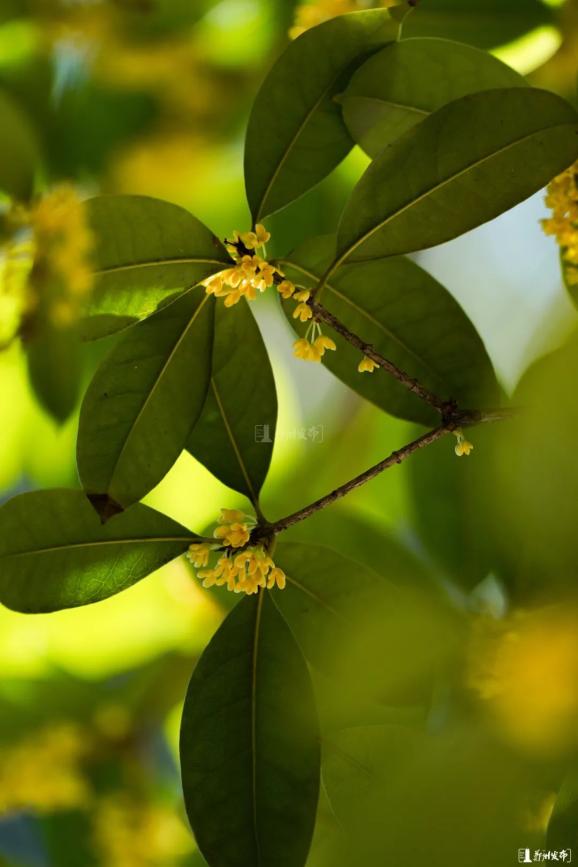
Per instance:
{"type": "Point", "coordinates": [252, 273]}
{"type": "Point", "coordinates": [46, 259]}
{"type": "Point", "coordinates": [247, 571]}
{"type": "Point", "coordinates": [562, 198]}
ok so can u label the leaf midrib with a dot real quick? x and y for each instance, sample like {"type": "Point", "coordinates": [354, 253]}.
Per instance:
{"type": "Point", "coordinates": [233, 441]}
{"type": "Point", "coordinates": [97, 544]}
{"type": "Point", "coordinates": [431, 191]}
{"type": "Point", "coordinates": [156, 263]}
{"type": "Point", "coordinates": [154, 387]}
{"type": "Point", "coordinates": [388, 102]}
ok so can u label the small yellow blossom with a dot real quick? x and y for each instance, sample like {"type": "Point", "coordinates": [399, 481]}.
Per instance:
{"type": "Point", "coordinates": [245, 571]}
{"type": "Point", "coordinates": [302, 295]}
{"type": "Point", "coordinates": [286, 289]}
{"type": "Point", "coordinates": [303, 312]}
{"type": "Point", "coordinates": [463, 446]}
{"type": "Point", "coordinates": [562, 198]}
{"type": "Point", "coordinates": [236, 535]}
{"type": "Point", "coordinates": [311, 348]}
{"type": "Point", "coordinates": [367, 365]}
{"type": "Point", "coordinates": [256, 239]}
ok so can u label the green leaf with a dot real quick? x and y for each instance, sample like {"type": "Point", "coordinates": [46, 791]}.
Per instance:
{"type": "Point", "coordinates": [54, 552]}
{"type": "Point", "coordinates": [55, 369]}
{"type": "Point", "coordinates": [409, 318]}
{"type": "Point", "coordinates": [464, 165]}
{"type": "Point", "coordinates": [250, 744]}
{"type": "Point", "coordinates": [296, 135]}
{"type": "Point", "coordinates": [234, 436]}
{"type": "Point", "coordinates": [144, 400]}
{"type": "Point", "coordinates": [485, 23]}
{"type": "Point", "coordinates": [147, 250]}
{"type": "Point", "coordinates": [19, 155]}
{"type": "Point", "coordinates": [406, 81]}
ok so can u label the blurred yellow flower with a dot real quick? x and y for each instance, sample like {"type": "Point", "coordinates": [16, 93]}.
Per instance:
{"type": "Point", "coordinates": [43, 772]}
{"type": "Point", "coordinates": [562, 199]}
{"type": "Point", "coordinates": [130, 832]}
{"type": "Point", "coordinates": [525, 669]}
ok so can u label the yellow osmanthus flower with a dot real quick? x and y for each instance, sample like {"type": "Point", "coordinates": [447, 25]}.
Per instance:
{"type": "Point", "coordinates": [47, 261]}
{"type": "Point", "coordinates": [247, 571]}
{"type": "Point", "coordinates": [131, 832]}
{"type": "Point", "coordinates": [311, 14]}
{"type": "Point", "coordinates": [312, 347]}
{"type": "Point", "coordinates": [463, 446]}
{"type": "Point", "coordinates": [44, 771]}
{"type": "Point", "coordinates": [367, 365]}
{"type": "Point", "coordinates": [250, 274]}
{"type": "Point", "coordinates": [562, 198]}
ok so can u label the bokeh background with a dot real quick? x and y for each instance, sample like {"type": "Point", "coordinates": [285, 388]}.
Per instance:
{"type": "Point", "coordinates": [152, 97]}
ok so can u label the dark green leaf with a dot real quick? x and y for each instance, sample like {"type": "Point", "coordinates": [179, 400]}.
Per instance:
{"type": "Point", "coordinates": [464, 165]}
{"type": "Point", "coordinates": [19, 156]}
{"type": "Point", "coordinates": [485, 23]}
{"type": "Point", "coordinates": [147, 251]}
{"type": "Point", "coordinates": [55, 553]}
{"type": "Point", "coordinates": [250, 744]}
{"type": "Point", "coordinates": [406, 81]}
{"type": "Point", "coordinates": [144, 400]}
{"type": "Point", "coordinates": [55, 369]}
{"type": "Point", "coordinates": [296, 134]}
{"type": "Point", "coordinates": [234, 436]}
{"type": "Point", "coordinates": [410, 319]}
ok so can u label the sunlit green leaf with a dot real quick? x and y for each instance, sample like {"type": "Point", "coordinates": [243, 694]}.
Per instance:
{"type": "Point", "coordinates": [464, 165]}
{"type": "Point", "coordinates": [485, 23]}
{"type": "Point", "coordinates": [409, 318]}
{"type": "Point", "coordinates": [234, 436]}
{"type": "Point", "coordinates": [405, 82]}
{"type": "Point", "coordinates": [147, 250]}
{"type": "Point", "coordinates": [296, 134]}
{"type": "Point", "coordinates": [19, 155]}
{"type": "Point", "coordinates": [144, 400]}
{"type": "Point", "coordinates": [250, 744]}
{"type": "Point", "coordinates": [55, 553]}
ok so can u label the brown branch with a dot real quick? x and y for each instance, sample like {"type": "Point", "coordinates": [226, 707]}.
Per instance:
{"type": "Point", "coordinates": [396, 457]}
{"type": "Point", "coordinates": [321, 314]}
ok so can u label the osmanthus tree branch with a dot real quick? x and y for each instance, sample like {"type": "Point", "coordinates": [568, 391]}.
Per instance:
{"type": "Point", "coordinates": [265, 531]}
{"type": "Point", "coordinates": [397, 457]}
{"type": "Point", "coordinates": [321, 314]}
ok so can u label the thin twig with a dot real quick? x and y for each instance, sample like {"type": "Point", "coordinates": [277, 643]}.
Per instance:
{"type": "Point", "coordinates": [396, 457]}
{"type": "Point", "coordinates": [322, 314]}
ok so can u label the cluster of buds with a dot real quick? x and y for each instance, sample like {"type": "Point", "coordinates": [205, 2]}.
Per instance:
{"type": "Point", "coordinates": [248, 571]}
{"type": "Point", "coordinates": [562, 198]}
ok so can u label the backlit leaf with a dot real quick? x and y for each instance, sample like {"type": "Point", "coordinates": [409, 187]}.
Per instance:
{"type": "Point", "coordinates": [250, 750]}
{"type": "Point", "coordinates": [55, 553]}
